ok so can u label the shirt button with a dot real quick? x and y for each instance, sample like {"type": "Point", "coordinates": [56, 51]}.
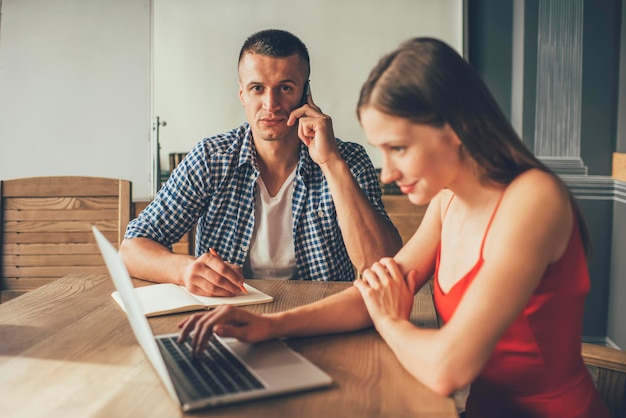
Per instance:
{"type": "Point", "coordinates": [244, 248]}
{"type": "Point", "coordinates": [320, 214]}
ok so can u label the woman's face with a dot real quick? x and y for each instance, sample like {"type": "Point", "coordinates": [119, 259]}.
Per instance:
{"type": "Point", "coordinates": [420, 159]}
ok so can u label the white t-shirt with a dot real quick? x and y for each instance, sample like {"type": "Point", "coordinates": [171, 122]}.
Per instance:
{"type": "Point", "coordinates": [272, 253]}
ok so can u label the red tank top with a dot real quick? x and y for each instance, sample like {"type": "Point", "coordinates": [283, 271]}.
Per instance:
{"type": "Point", "coordinates": [536, 369]}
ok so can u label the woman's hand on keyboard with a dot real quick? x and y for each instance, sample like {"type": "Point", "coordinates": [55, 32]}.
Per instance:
{"type": "Point", "coordinates": [225, 321]}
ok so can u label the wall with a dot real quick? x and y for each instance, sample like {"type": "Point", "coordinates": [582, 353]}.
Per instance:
{"type": "Point", "coordinates": [600, 83]}
{"type": "Point", "coordinates": [75, 89]}
{"type": "Point", "coordinates": [621, 104]}
{"type": "Point", "coordinates": [489, 46]}
{"type": "Point", "coordinates": [616, 326]}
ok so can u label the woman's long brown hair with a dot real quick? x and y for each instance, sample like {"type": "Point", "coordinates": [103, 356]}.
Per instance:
{"type": "Point", "coordinates": [425, 81]}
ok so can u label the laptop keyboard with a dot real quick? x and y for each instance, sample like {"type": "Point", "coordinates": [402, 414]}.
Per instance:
{"type": "Point", "coordinates": [216, 372]}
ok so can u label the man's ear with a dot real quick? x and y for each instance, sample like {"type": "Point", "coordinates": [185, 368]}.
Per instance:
{"type": "Point", "coordinates": [241, 94]}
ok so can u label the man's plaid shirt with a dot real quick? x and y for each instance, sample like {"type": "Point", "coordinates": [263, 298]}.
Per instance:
{"type": "Point", "coordinates": [214, 186]}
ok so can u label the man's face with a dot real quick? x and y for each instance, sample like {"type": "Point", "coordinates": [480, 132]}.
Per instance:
{"type": "Point", "coordinates": [269, 89]}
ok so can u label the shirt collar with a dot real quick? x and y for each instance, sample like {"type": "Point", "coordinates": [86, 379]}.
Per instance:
{"type": "Point", "coordinates": [248, 151]}
{"type": "Point", "coordinates": [305, 164]}
{"type": "Point", "coordinates": [248, 155]}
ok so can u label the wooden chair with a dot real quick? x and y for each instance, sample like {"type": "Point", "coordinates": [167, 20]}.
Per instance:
{"type": "Point", "coordinates": [608, 368]}
{"type": "Point", "coordinates": [46, 228]}
{"type": "Point", "coordinates": [405, 215]}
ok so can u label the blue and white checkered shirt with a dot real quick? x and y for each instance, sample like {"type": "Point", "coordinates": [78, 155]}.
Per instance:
{"type": "Point", "coordinates": [214, 186]}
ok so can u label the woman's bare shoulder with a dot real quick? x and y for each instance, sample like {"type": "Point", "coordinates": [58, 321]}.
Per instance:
{"type": "Point", "coordinates": [537, 206]}
{"type": "Point", "coordinates": [540, 184]}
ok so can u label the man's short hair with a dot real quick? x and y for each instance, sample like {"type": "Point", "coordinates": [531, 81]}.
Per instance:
{"type": "Point", "coordinates": [276, 43]}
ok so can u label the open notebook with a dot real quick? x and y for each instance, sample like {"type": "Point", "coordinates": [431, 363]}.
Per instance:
{"type": "Point", "coordinates": [228, 371]}
{"type": "Point", "coordinates": [167, 298]}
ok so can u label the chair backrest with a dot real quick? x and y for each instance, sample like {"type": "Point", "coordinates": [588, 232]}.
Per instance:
{"type": "Point", "coordinates": [405, 215]}
{"type": "Point", "coordinates": [46, 227]}
{"type": "Point", "coordinates": [608, 368]}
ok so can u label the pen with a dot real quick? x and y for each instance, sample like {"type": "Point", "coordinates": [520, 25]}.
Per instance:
{"type": "Point", "coordinates": [214, 253]}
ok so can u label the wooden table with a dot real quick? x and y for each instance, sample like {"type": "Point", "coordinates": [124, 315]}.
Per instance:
{"type": "Point", "coordinates": [66, 350]}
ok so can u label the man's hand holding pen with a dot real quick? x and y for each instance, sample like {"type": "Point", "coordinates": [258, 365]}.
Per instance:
{"type": "Point", "coordinates": [209, 275]}
{"type": "Point", "coordinates": [214, 254]}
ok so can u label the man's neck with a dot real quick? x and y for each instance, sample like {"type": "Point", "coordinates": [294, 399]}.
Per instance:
{"type": "Point", "coordinates": [276, 160]}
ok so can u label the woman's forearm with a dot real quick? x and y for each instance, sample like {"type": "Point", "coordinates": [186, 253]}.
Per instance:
{"type": "Point", "coordinates": [342, 312]}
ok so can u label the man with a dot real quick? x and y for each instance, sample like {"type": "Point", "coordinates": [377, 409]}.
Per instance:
{"type": "Point", "coordinates": [278, 197]}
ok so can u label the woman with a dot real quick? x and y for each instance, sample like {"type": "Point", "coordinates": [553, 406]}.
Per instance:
{"type": "Point", "coordinates": [502, 236]}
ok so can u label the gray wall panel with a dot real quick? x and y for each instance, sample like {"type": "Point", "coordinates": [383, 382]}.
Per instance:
{"type": "Point", "coordinates": [489, 45]}
{"type": "Point", "coordinates": [598, 215]}
{"type": "Point", "coordinates": [600, 84]}
{"type": "Point", "coordinates": [616, 323]}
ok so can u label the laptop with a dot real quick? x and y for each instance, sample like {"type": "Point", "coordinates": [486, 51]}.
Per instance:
{"type": "Point", "coordinates": [229, 371]}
